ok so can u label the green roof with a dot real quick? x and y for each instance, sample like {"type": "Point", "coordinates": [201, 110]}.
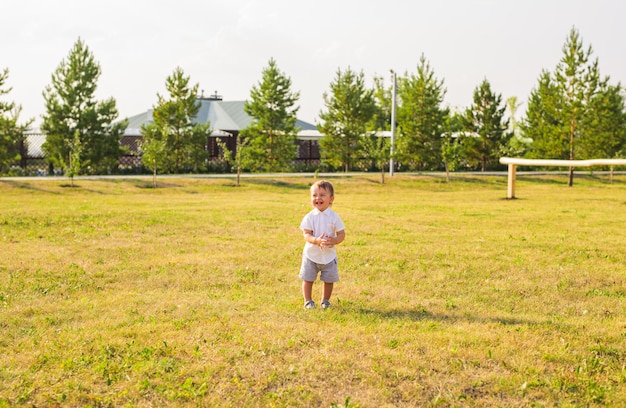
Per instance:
{"type": "Point", "coordinates": [225, 116]}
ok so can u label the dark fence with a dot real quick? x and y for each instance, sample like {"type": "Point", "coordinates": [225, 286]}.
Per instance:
{"type": "Point", "coordinates": [33, 161]}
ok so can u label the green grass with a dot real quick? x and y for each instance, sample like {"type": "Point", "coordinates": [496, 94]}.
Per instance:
{"type": "Point", "coordinates": [116, 294]}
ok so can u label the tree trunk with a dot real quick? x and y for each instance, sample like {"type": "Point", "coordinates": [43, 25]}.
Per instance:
{"type": "Point", "coordinates": [572, 129]}
{"type": "Point", "coordinates": [154, 175]}
{"type": "Point", "coordinates": [570, 181]}
{"type": "Point", "coordinates": [23, 154]}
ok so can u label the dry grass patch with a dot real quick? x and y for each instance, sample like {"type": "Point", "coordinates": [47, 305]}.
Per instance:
{"type": "Point", "coordinates": [116, 294]}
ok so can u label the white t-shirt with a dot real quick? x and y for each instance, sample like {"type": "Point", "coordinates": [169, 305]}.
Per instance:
{"type": "Point", "coordinates": [327, 222]}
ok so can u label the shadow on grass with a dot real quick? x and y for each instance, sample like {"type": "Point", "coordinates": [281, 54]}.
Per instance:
{"type": "Point", "coordinates": [145, 183]}
{"type": "Point", "coordinates": [481, 180]}
{"type": "Point", "coordinates": [150, 186]}
{"type": "Point", "coordinates": [459, 180]}
{"type": "Point", "coordinates": [28, 186]}
{"type": "Point", "coordinates": [562, 178]}
{"type": "Point", "coordinates": [277, 183]}
{"type": "Point", "coordinates": [78, 187]}
{"type": "Point", "coordinates": [551, 180]}
{"type": "Point", "coordinates": [375, 179]}
{"type": "Point", "coordinates": [422, 315]}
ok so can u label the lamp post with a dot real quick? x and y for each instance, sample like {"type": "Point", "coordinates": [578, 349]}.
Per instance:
{"type": "Point", "coordinates": [393, 122]}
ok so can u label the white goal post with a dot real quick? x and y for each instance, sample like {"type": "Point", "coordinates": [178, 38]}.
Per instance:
{"type": "Point", "coordinates": [514, 162]}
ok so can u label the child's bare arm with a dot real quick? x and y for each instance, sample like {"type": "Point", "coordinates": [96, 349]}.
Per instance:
{"type": "Point", "coordinates": [336, 240]}
{"type": "Point", "coordinates": [312, 239]}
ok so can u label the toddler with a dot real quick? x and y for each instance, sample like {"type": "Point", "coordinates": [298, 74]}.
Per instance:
{"type": "Point", "coordinates": [322, 229]}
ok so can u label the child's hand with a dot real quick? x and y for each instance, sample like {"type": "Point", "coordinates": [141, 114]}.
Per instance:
{"type": "Point", "coordinates": [326, 241]}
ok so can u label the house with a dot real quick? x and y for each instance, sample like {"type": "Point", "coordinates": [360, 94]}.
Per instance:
{"type": "Point", "coordinates": [227, 119]}
{"type": "Point", "coordinates": [32, 156]}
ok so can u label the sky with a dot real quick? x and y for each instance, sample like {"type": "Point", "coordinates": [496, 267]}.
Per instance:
{"type": "Point", "coordinates": [224, 46]}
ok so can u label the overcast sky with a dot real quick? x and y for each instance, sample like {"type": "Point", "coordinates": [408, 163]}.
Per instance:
{"type": "Point", "coordinates": [225, 45]}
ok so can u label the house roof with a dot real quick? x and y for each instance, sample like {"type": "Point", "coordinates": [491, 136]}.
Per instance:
{"type": "Point", "coordinates": [225, 117]}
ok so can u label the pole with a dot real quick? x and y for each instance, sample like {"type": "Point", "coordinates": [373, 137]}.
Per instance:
{"type": "Point", "coordinates": [510, 194]}
{"type": "Point", "coordinates": [393, 122]}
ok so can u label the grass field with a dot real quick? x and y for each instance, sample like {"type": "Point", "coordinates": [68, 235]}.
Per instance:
{"type": "Point", "coordinates": [113, 293]}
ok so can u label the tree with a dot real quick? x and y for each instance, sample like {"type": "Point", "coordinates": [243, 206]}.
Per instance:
{"type": "Point", "coordinates": [421, 118]}
{"type": "Point", "coordinates": [518, 144]}
{"type": "Point", "coordinates": [152, 151]}
{"type": "Point", "coordinates": [577, 80]}
{"type": "Point", "coordinates": [575, 113]}
{"type": "Point", "coordinates": [236, 159]}
{"type": "Point", "coordinates": [376, 147]}
{"type": "Point", "coordinates": [451, 149]}
{"type": "Point", "coordinates": [11, 133]}
{"type": "Point", "coordinates": [271, 136]}
{"type": "Point", "coordinates": [484, 119]}
{"type": "Point", "coordinates": [608, 123]}
{"type": "Point", "coordinates": [74, 161]}
{"type": "Point", "coordinates": [174, 141]}
{"type": "Point", "coordinates": [350, 106]}
{"type": "Point", "coordinates": [542, 123]}
{"type": "Point", "coordinates": [71, 109]}
{"type": "Point", "coordinates": [381, 120]}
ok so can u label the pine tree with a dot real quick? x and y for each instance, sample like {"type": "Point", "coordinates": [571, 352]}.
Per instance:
{"type": "Point", "coordinates": [577, 80]}
{"type": "Point", "coordinates": [381, 121]}
{"type": "Point", "coordinates": [421, 118]}
{"type": "Point", "coordinates": [270, 140]}
{"type": "Point", "coordinates": [451, 149]}
{"type": "Point", "coordinates": [72, 112]}
{"type": "Point", "coordinates": [174, 142]}
{"type": "Point", "coordinates": [484, 120]}
{"type": "Point", "coordinates": [11, 133]}
{"type": "Point", "coordinates": [350, 106]}
{"type": "Point", "coordinates": [607, 137]}
{"type": "Point", "coordinates": [518, 144]}
{"type": "Point", "coordinates": [377, 148]}
{"type": "Point", "coordinates": [574, 113]}
{"type": "Point", "coordinates": [542, 123]}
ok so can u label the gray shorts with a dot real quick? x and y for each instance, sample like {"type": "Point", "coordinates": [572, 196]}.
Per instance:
{"type": "Point", "coordinates": [329, 273]}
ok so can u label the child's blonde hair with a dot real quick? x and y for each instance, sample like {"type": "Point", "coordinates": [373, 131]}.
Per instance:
{"type": "Point", "coordinates": [325, 185]}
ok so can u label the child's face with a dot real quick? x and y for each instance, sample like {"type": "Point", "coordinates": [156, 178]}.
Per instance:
{"type": "Point", "coordinates": [321, 198]}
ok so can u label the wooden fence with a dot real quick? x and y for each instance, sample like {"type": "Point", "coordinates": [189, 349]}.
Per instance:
{"type": "Point", "coordinates": [514, 162]}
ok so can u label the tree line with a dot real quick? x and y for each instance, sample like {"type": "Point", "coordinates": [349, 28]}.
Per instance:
{"type": "Point", "coordinates": [572, 113]}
